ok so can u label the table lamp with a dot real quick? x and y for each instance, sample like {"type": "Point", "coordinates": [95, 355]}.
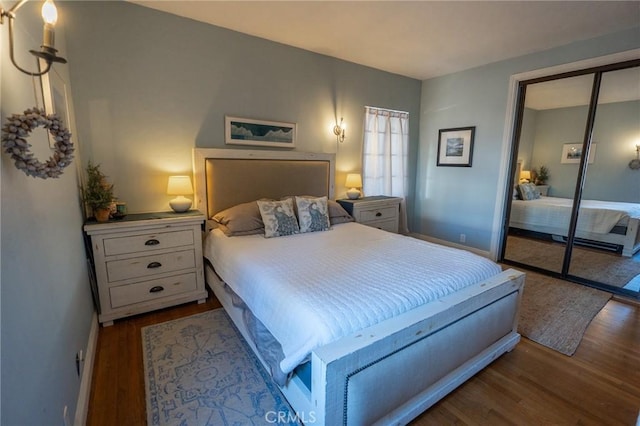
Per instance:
{"type": "Point", "coordinates": [525, 176]}
{"type": "Point", "coordinates": [354, 181]}
{"type": "Point", "coordinates": [180, 186]}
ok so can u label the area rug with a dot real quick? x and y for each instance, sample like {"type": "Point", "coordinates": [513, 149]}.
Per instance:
{"type": "Point", "coordinates": [597, 265]}
{"type": "Point", "coordinates": [556, 313]}
{"type": "Point", "coordinates": [200, 371]}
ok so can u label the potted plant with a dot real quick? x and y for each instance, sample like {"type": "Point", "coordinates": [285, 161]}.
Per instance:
{"type": "Point", "coordinates": [97, 193]}
{"type": "Point", "coordinates": [541, 176]}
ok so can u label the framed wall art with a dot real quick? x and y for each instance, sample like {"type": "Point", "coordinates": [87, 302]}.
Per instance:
{"type": "Point", "coordinates": [455, 146]}
{"type": "Point", "coordinates": [54, 96]}
{"type": "Point", "coordinates": [572, 153]}
{"type": "Point", "coordinates": [245, 131]}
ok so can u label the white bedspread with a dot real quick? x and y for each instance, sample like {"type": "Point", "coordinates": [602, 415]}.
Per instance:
{"type": "Point", "coordinates": [311, 289]}
{"type": "Point", "coordinates": [594, 216]}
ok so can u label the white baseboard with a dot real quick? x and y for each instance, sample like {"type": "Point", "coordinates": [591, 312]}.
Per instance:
{"type": "Point", "coordinates": [479, 252]}
{"type": "Point", "coordinates": [82, 406]}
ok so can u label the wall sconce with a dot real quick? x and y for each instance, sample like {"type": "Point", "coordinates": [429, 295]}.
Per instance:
{"type": "Point", "coordinates": [338, 130]}
{"type": "Point", "coordinates": [180, 186]}
{"type": "Point", "coordinates": [47, 51]}
{"type": "Point", "coordinates": [525, 176]}
{"type": "Point", "coordinates": [635, 163]}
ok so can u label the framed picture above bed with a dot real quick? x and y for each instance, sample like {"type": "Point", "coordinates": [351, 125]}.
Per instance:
{"type": "Point", "coordinates": [572, 152]}
{"type": "Point", "coordinates": [455, 146]}
{"type": "Point", "coordinates": [246, 131]}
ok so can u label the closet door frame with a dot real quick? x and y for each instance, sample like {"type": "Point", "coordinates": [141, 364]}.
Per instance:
{"type": "Point", "coordinates": [515, 113]}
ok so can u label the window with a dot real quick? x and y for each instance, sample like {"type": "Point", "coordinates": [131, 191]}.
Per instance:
{"type": "Point", "coordinates": [385, 162]}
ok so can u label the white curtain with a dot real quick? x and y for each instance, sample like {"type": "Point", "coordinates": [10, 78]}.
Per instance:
{"type": "Point", "coordinates": [385, 152]}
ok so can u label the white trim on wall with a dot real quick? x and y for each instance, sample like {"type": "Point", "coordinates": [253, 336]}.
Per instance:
{"type": "Point", "coordinates": [430, 239]}
{"type": "Point", "coordinates": [82, 406]}
{"type": "Point", "coordinates": [509, 121]}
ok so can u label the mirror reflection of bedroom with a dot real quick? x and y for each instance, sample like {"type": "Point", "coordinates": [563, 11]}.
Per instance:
{"type": "Point", "coordinates": [574, 211]}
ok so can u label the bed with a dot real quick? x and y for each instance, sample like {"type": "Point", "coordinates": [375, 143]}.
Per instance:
{"type": "Point", "coordinates": [604, 222]}
{"type": "Point", "coordinates": [423, 350]}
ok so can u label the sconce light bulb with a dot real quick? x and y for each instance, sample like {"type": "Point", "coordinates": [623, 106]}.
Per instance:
{"type": "Point", "coordinates": [49, 12]}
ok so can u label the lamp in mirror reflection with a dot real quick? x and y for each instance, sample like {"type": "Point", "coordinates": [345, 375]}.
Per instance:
{"type": "Point", "coordinates": [47, 50]}
{"type": "Point", "coordinates": [180, 186]}
{"type": "Point", "coordinates": [354, 181]}
{"type": "Point", "coordinates": [525, 176]}
{"type": "Point", "coordinates": [338, 130]}
{"type": "Point", "coordinates": [635, 163]}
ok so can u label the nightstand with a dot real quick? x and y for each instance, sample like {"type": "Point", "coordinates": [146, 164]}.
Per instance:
{"type": "Point", "coordinates": [380, 211]}
{"type": "Point", "coordinates": [542, 189]}
{"type": "Point", "coordinates": [147, 261]}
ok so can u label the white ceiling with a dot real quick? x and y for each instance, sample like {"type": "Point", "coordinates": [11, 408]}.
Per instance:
{"type": "Point", "coordinates": [419, 39]}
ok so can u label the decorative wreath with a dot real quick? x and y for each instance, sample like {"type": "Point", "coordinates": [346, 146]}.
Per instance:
{"type": "Point", "coordinates": [14, 141]}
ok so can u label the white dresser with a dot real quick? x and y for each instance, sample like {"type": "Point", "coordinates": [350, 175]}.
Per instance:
{"type": "Point", "coordinates": [379, 211]}
{"type": "Point", "coordinates": [147, 261]}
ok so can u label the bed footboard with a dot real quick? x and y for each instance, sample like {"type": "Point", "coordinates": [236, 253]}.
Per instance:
{"type": "Point", "coordinates": [631, 243]}
{"type": "Point", "coordinates": [392, 372]}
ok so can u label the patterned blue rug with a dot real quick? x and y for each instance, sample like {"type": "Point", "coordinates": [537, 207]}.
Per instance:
{"type": "Point", "coordinates": [199, 371]}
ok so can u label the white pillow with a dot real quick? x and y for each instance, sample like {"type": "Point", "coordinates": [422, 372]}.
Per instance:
{"type": "Point", "coordinates": [278, 217]}
{"type": "Point", "coordinates": [313, 214]}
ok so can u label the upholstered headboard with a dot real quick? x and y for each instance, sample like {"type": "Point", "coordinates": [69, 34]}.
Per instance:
{"type": "Point", "coordinates": [227, 177]}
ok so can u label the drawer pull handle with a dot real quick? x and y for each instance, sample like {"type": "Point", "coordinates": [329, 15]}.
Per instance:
{"type": "Point", "coordinates": [152, 242]}
{"type": "Point", "coordinates": [378, 214]}
{"type": "Point", "coordinates": [154, 265]}
{"type": "Point", "coordinates": [156, 289]}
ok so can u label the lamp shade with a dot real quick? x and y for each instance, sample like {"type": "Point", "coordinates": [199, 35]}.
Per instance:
{"type": "Point", "coordinates": [525, 175]}
{"type": "Point", "coordinates": [354, 180]}
{"type": "Point", "coordinates": [179, 185]}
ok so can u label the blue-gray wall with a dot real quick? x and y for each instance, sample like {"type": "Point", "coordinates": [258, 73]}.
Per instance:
{"type": "Point", "coordinates": [46, 307]}
{"type": "Point", "coordinates": [527, 140]}
{"type": "Point", "coordinates": [609, 178]}
{"type": "Point", "coordinates": [150, 86]}
{"type": "Point", "coordinates": [450, 201]}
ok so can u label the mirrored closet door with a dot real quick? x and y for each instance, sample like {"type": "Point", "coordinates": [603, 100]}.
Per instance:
{"type": "Point", "coordinates": [613, 187]}
{"type": "Point", "coordinates": [573, 202]}
{"type": "Point", "coordinates": [555, 112]}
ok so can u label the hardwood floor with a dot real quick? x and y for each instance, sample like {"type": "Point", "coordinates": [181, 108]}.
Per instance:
{"type": "Point", "coordinates": [532, 385]}
{"type": "Point", "coordinates": [117, 389]}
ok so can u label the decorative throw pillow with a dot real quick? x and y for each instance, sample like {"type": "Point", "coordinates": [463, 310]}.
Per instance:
{"type": "Point", "coordinates": [278, 218]}
{"type": "Point", "coordinates": [242, 219]}
{"type": "Point", "coordinates": [313, 214]}
{"type": "Point", "coordinates": [528, 191]}
{"type": "Point", "coordinates": [337, 213]}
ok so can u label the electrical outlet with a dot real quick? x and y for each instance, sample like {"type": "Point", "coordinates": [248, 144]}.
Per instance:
{"type": "Point", "coordinates": [65, 416]}
{"type": "Point", "coordinates": [463, 238]}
